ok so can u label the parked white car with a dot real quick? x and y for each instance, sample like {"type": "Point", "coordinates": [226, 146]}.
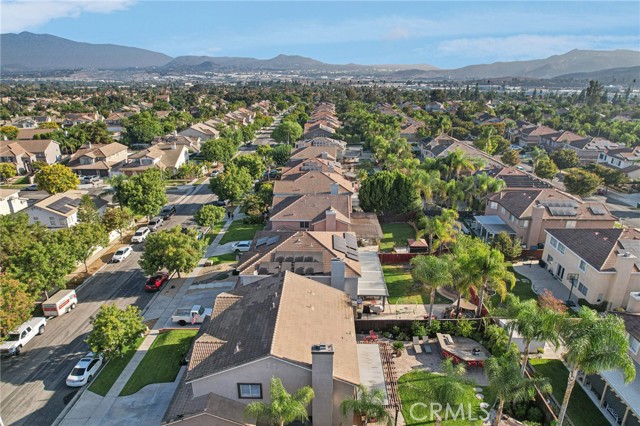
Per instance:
{"type": "Point", "coordinates": [85, 370]}
{"type": "Point", "coordinates": [122, 254]}
{"type": "Point", "coordinates": [241, 246]}
{"type": "Point", "coordinates": [155, 223]}
{"type": "Point", "coordinates": [140, 235]}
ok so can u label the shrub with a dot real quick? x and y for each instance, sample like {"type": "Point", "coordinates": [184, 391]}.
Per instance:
{"type": "Point", "coordinates": [434, 328]}
{"type": "Point", "coordinates": [402, 336]}
{"type": "Point", "coordinates": [447, 327]}
{"type": "Point", "coordinates": [395, 330]}
{"type": "Point", "coordinates": [254, 220]}
{"type": "Point", "coordinates": [464, 327]}
{"type": "Point", "coordinates": [418, 329]}
{"type": "Point", "coordinates": [535, 415]}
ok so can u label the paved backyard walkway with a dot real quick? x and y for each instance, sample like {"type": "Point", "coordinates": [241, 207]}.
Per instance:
{"type": "Point", "coordinates": [542, 279]}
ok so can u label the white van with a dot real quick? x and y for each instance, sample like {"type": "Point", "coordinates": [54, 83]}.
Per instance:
{"type": "Point", "coordinates": [60, 303]}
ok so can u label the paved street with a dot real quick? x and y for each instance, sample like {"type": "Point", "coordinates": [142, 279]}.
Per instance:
{"type": "Point", "coordinates": [32, 387]}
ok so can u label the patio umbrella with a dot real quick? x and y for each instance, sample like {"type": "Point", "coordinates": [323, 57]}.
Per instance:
{"type": "Point", "coordinates": [465, 304]}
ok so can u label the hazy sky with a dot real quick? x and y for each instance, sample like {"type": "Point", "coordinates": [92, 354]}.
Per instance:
{"type": "Point", "coordinates": [446, 34]}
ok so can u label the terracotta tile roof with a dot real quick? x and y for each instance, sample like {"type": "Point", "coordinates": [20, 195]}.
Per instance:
{"type": "Point", "coordinates": [311, 183]}
{"type": "Point", "coordinates": [631, 322]}
{"type": "Point", "coordinates": [568, 136]}
{"type": "Point", "coordinates": [31, 146]}
{"type": "Point", "coordinates": [276, 314]}
{"type": "Point", "coordinates": [30, 133]}
{"type": "Point", "coordinates": [314, 151]}
{"type": "Point", "coordinates": [540, 131]}
{"type": "Point", "coordinates": [309, 207]}
{"type": "Point", "coordinates": [514, 178]}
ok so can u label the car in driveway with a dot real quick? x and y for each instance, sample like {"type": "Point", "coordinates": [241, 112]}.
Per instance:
{"type": "Point", "coordinates": [241, 246]}
{"type": "Point", "coordinates": [155, 282]}
{"type": "Point", "coordinates": [155, 223]}
{"type": "Point", "coordinates": [32, 187]}
{"type": "Point", "coordinates": [85, 370]}
{"type": "Point", "coordinates": [121, 254]}
{"type": "Point", "coordinates": [217, 203]}
{"type": "Point", "coordinates": [140, 235]}
{"type": "Point", "coordinates": [167, 212]}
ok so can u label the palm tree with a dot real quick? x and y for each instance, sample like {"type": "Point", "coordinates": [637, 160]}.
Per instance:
{"type": "Point", "coordinates": [368, 403]}
{"type": "Point", "coordinates": [534, 323]}
{"type": "Point", "coordinates": [457, 162]}
{"type": "Point", "coordinates": [508, 384]}
{"type": "Point", "coordinates": [454, 383]}
{"type": "Point", "coordinates": [431, 272]}
{"type": "Point", "coordinates": [536, 155]}
{"type": "Point", "coordinates": [426, 183]}
{"type": "Point", "coordinates": [284, 407]}
{"type": "Point", "coordinates": [594, 344]}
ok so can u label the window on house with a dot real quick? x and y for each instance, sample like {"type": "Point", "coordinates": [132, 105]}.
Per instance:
{"type": "Point", "coordinates": [304, 224]}
{"type": "Point", "coordinates": [493, 205]}
{"type": "Point", "coordinates": [502, 210]}
{"type": "Point", "coordinates": [554, 242]}
{"type": "Point", "coordinates": [524, 223]}
{"type": "Point", "coordinates": [549, 258]}
{"type": "Point", "coordinates": [512, 218]}
{"type": "Point", "coordinates": [570, 224]}
{"type": "Point", "coordinates": [583, 289]}
{"type": "Point", "coordinates": [600, 156]}
{"type": "Point", "coordinates": [250, 390]}
{"type": "Point", "coordinates": [634, 344]}
{"type": "Point", "coordinates": [619, 163]}
{"type": "Point", "coordinates": [52, 220]}
{"type": "Point", "coordinates": [561, 248]}
{"type": "Point", "coordinates": [583, 265]}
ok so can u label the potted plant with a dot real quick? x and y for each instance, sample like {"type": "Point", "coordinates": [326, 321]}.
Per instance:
{"type": "Point", "coordinates": [398, 347]}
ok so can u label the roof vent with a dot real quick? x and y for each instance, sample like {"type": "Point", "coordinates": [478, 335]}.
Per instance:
{"type": "Point", "coordinates": [627, 254]}
{"type": "Point", "coordinates": [237, 349]}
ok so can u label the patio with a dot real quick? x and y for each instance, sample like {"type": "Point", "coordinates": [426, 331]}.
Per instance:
{"type": "Point", "coordinates": [462, 350]}
{"type": "Point", "coordinates": [487, 227]}
{"type": "Point", "coordinates": [541, 279]}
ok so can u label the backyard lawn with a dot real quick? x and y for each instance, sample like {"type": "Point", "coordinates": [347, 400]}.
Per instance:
{"type": "Point", "coordinates": [162, 362]}
{"type": "Point", "coordinates": [402, 290]}
{"type": "Point", "coordinates": [417, 391]}
{"type": "Point", "coordinates": [582, 411]}
{"type": "Point", "coordinates": [395, 234]}
{"type": "Point", "coordinates": [522, 289]}
{"type": "Point", "coordinates": [112, 370]}
{"type": "Point", "coordinates": [239, 231]}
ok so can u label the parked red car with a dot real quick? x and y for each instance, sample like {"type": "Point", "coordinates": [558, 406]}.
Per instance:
{"type": "Point", "coordinates": [156, 282]}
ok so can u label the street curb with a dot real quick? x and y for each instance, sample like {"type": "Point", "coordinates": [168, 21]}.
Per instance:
{"type": "Point", "coordinates": [71, 403]}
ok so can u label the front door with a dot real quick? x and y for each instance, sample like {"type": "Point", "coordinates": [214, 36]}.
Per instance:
{"type": "Point", "coordinates": [560, 272]}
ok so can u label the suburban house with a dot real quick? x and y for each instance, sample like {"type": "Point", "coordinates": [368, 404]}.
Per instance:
{"type": "Point", "coordinates": [27, 134]}
{"type": "Point", "coordinates": [98, 159]}
{"type": "Point", "coordinates": [161, 156]}
{"type": "Point", "coordinates": [304, 153]}
{"type": "Point", "coordinates": [621, 400]}
{"type": "Point", "coordinates": [317, 164]}
{"type": "Point", "coordinates": [627, 160]}
{"type": "Point", "coordinates": [410, 130]}
{"type": "Point", "coordinates": [60, 210]}
{"type": "Point", "coordinates": [10, 201]}
{"type": "Point", "coordinates": [434, 107]}
{"type": "Point", "coordinates": [73, 119]}
{"type": "Point", "coordinates": [514, 178]}
{"type": "Point", "coordinates": [340, 146]}
{"type": "Point", "coordinates": [24, 123]}
{"type": "Point", "coordinates": [601, 264]}
{"type": "Point", "coordinates": [537, 135]}
{"type": "Point", "coordinates": [23, 153]}
{"type": "Point", "coordinates": [312, 183]}
{"type": "Point", "coordinates": [442, 145]}
{"type": "Point", "coordinates": [527, 213]}
{"type": "Point", "coordinates": [318, 130]}
{"type": "Point", "coordinates": [322, 122]}
{"type": "Point", "coordinates": [311, 212]}
{"type": "Point", "coordinates": [203, 131]}
{"type": "Point", "coordinates": [192, 143]}
{"type": "Point", "coordinates": [589, 150]}
{"type": "Point", "coordinates": [292, 328]}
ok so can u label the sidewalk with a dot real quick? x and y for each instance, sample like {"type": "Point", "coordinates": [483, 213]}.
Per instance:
{"type": "Point", "coordinates": [93, 410]}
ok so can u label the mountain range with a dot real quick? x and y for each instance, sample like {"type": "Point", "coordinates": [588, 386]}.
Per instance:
{"type": "Point", "coordinates": [41, 52]}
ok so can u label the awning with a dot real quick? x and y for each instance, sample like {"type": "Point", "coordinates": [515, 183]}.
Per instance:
{"type": "Point", "coordinates": [494, 224]}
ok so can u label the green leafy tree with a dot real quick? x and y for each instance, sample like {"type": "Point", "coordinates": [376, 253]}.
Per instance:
{"type": "Point", "coordinates": [535, 323]}
{"type": "Point", "coordinates": [56, 178]}
{"type": "Point", "coordinates": [143, 193]}
{"type": "Point", "coordinates": [218, 150]}
{"type": "Point", "coordinates": [118, 219]}
{"type": "Point", "coordinates": [581, 182]}
{"type": "Point", "coordinates": [190, 170]}
{"type": "Point", "coordinates": [16, 234]}
{"type": "Point", "coordinates": [141, 128]}
{"type": "Point", "coordinates": [536, 155]}
{"type": "Point", "coordinates": [611, 177]}
{"type": "Point", "coordinates": [87, 210]}
{"type": "Point", "coordinates": [256, 204]}
{"type": "Point", "coordinates": [253, 163]}
{"type": "Point", "coordinates": [368, 403]}
{"type": "Point", "coordinates": [87, 237]}
{"type": "Point", "coordinates": [546, 168]}
{"type": "Point", "coordinates": [510, 157]}
{"type": "Point", "coordinates": [565, 158]}
{"type": "Point", "coordinates": [287, 132]}
{"type": "Point", "coordinates": [453, 383]}
{"type": "Point", "coordinates": [509, 385]}
{"type": "Point", "coordinates": [510, 247]}
{"type": "Point", "coordinates": [11, 132]}
{"type": "Point", "coordinates": [49, 125]}
{"type": "Point", "coordinates": [173, 250]}
{"type": "Point", "coordinates": [209, 215]}
{"type": "Point", "coordinates": [594, 344]}
{"type": "Point", "coordinates": [389, 192]}
{"type": "Point", "coordinates": [281, 154]}
{"type": "Point", "coordinates": [7, 170]}
{"type": "Point", "coordinates": [284, 407]}
{"type": "Point", "coordinates": [233, 184]}
{"type": "Point", "coordinates": [16, 304]}
{"type": "Point", "coordinates": [431, 272]}
{"type": "Point", "coordinates": [115, 329]}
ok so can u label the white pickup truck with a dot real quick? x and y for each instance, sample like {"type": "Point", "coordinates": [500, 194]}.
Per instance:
{"type": "Point", "coordinates": [22, 335]}
{"type": "Point", "coordinates": [194, 315]}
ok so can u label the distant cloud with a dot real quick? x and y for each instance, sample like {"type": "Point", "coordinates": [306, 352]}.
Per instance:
{"type": "Point", "coordinates": [21, 15]}
{"type": "Point", "coordinates": [527, 46]}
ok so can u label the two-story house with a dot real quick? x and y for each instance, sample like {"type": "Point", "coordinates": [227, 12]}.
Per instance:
{"type": "Point", "coordinates": [161, 156]}
{"type": "Point", "coordinates": [340, 146]}
{"type": "Point", "coordinates": [537, 135]}
{"type": "Point", "coordinates": [60, 210]}
{"type": "Point", "coordinates": [312, 182]}
{"type": "Point", "coordinates": [527, 213]}
{"type": "Point", "coordinates": [627, 160]}
{"type": "Point", "coordinates": [98, 159]}
{"type": "Point", "coordinates": [10, 201]}
{"type": "Point", "coordinates": [203, 131]}
{"type": "Point", "coordinates": [285, 326]}
{"type": "Point", "coordinates": [311, 212]}
{"type": "Point", "coordinates": [22, 153]}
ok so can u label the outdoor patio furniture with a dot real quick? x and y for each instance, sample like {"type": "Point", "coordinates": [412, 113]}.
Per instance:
{"type": "Point", "coordinates": [416, 344]}
{"type": "Point", "coordinates": [426, 346]}
{"type": "Point", "coordinates": [373, 335]}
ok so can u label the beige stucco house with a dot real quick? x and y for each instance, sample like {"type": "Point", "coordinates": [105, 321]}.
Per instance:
{"type": "Point", "coordinates": [98, 159]}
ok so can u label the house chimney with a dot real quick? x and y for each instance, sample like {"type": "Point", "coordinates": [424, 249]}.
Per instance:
{"type": "Point", "coordinates": [337, 273]}
{"type": "Point", "coordinates": [633, 305]}
{"type": "Point", "coordinates": [89, 145]}
{"type": "Point", "coordinates": [322, 384]}
{"type": "Point", "coordinates": [330, 221]}
{"type": "Point", "coordinates": [335, 188]}
{"type": "Point", "coordinates": [174, 146]}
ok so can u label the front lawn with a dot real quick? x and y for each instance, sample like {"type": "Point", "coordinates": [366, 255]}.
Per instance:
{"type": "Point", "coordinates": [402, 288]}
{"type": "Point", "coordinates": [213, 232]}
{"type": "Point", "coordinates": [582, 411]}
{"type": "Point", "coordinates": [162, 362]}
{"type": "Point", "coordinates": [522, 289]}
{"type": "Point", "coordinates": [417, 393]}
{"type": "Point", "coordinates": [113, 369]}
{"type": "Point", "coordinates": [395, 234]}
{"type": "Point", "coordinates": [223, 258]}
{"type": "Point", "coordinates": [240, 231]}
